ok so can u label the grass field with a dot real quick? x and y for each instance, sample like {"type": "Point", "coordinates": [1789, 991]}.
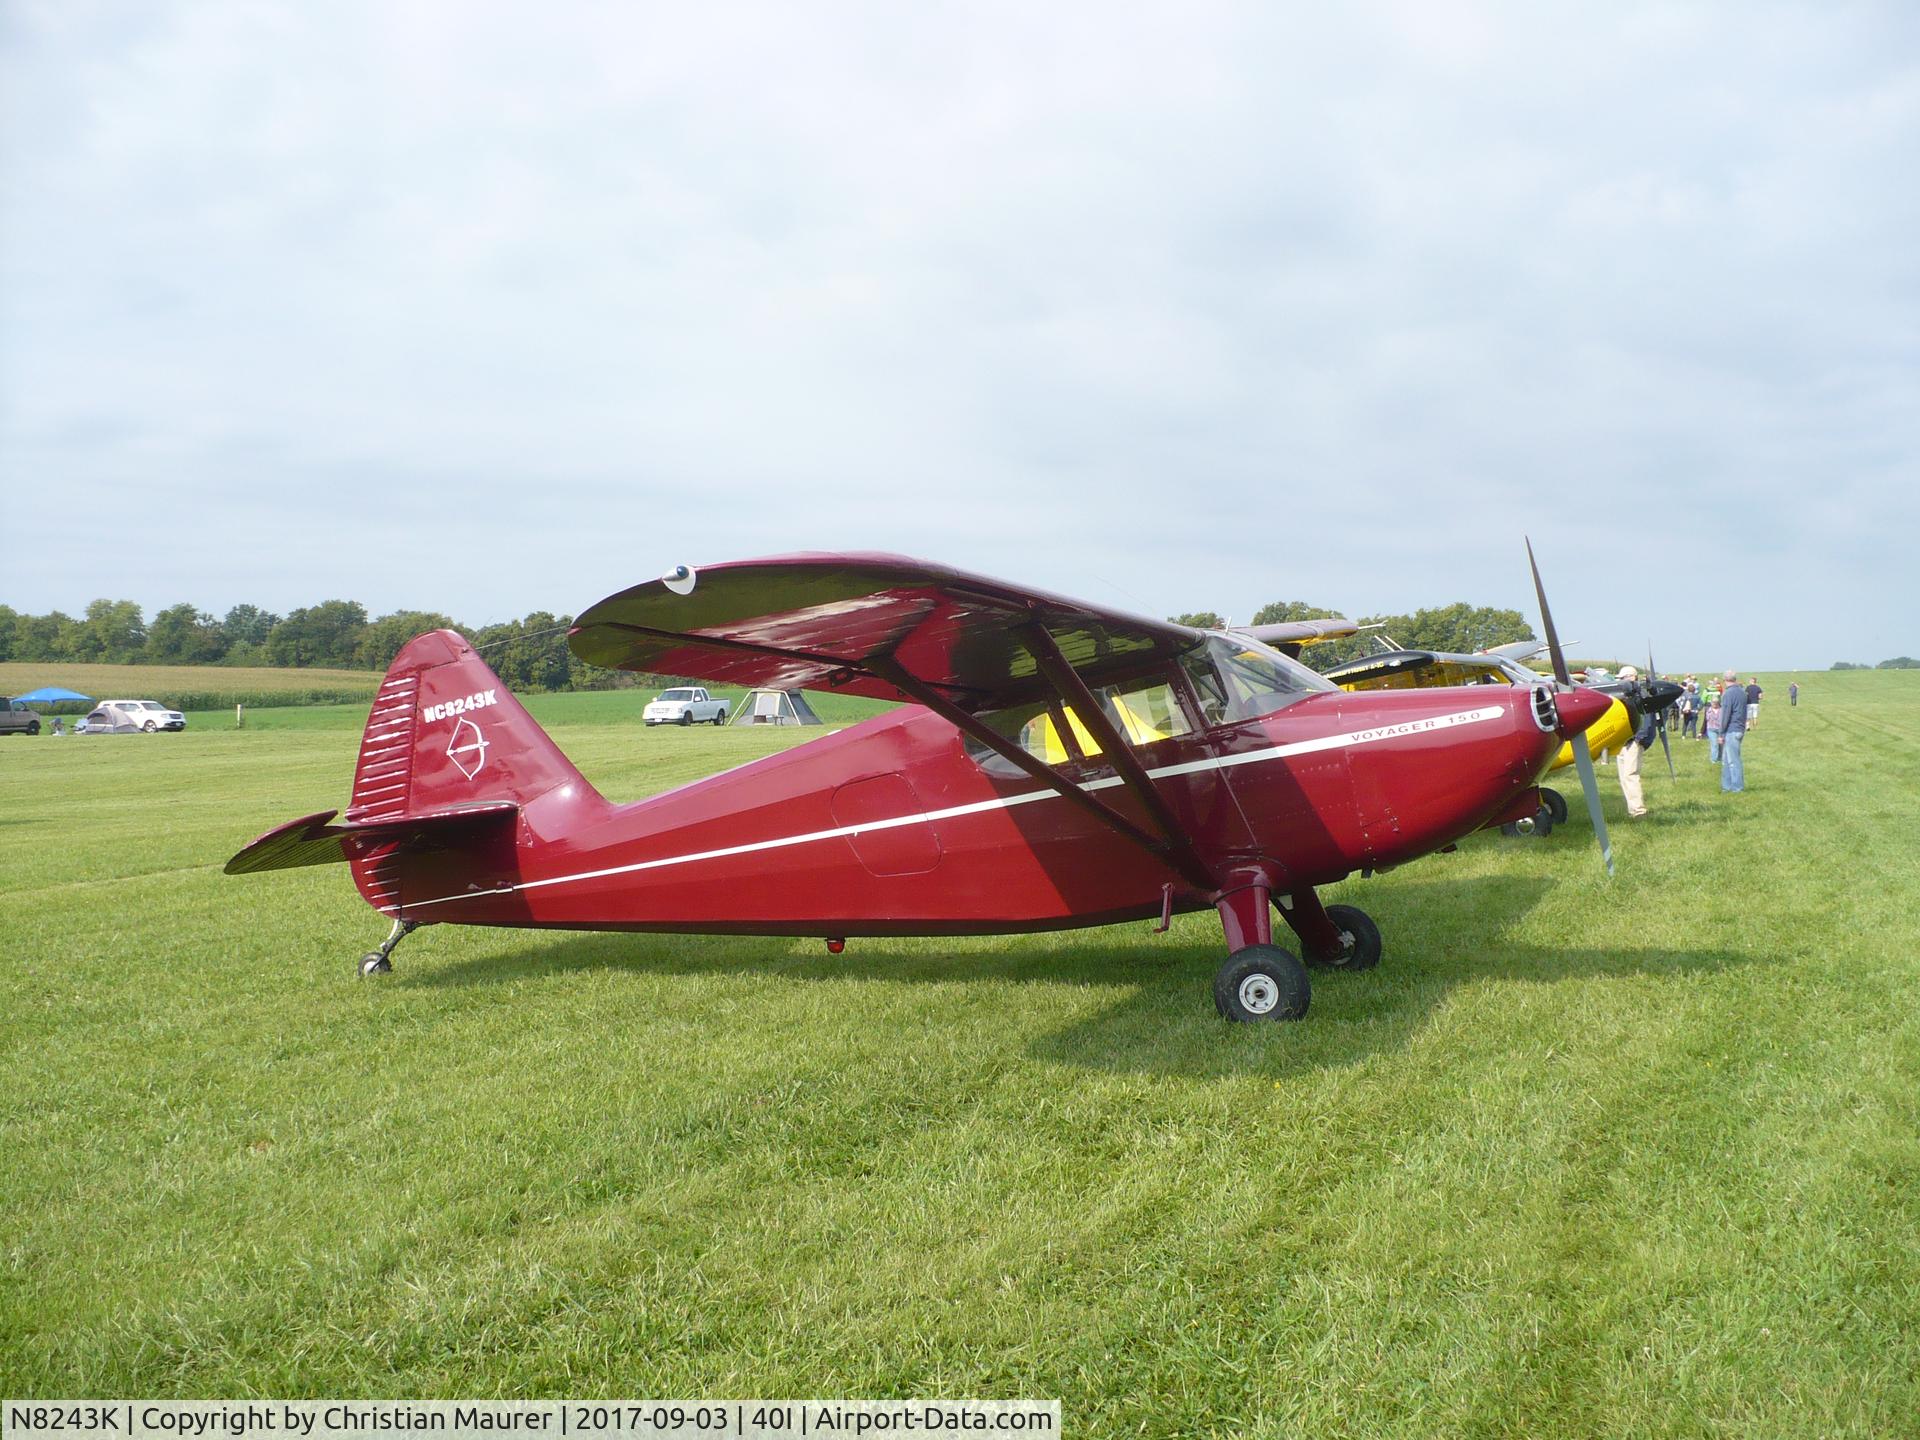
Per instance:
{"type": "Point", "coordinates": [138, 682]}
{"type": "Point", "coordinates": [1582, 1157]}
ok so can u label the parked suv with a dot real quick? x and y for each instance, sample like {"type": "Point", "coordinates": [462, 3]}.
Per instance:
{"type": "Point", "coordinates": [685, 705]}
{"type": "Point", "coordinates": [16, 718]}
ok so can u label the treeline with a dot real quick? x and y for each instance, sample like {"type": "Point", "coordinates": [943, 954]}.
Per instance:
{"type": "Point", "coordinates": [1460, 627]}
{"type": "Point", "coordinates": [1898, 662]}
{"type": "Point", "coordinates": [529, 654]}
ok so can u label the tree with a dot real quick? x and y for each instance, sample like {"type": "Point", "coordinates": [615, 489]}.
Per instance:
{"type": "Point", "coordinates": [325, 634]}
{"type": "Point", "coordinates": [9, 623]}
{"type": "Point", "coordinates": [1462, 628]}
{"type": "Point", "coordinates": [113, 634]}
{"type": "Point", "coordinates": [182, 635]}
{"type": "Point", "coordinates": [37, 637]}
{"type": "Point", "coordinates": [381, 639]}
{"type": "Point", "coordinates": [1200, 620]}
{"type": "Point", "coordinates": [248, 625]}
{"type": "Point", "coordinates": [1847, 665]}
{"type": "Point", "coordinates": [530, 654]}
{"type": "Point", "coordinates": [1899, 662]}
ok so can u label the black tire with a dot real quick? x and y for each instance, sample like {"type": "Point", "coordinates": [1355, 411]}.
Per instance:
{"type": "Point", "coordinates": [1543, 823]}
{"type": "Point", "coordinates": [686, 717]}
{"type": "Point", "coordinates": [33, 727]}
{"type": "Point", "coordinates": [721, 718]}
{"type": "Point", "coordinates": [1556, 804]}
{"type": "Point", "coordinates": [374, 963]}
{"type": "Point", "coordinates": [1365, 953]}
{"type": "Point", "coordinates": [1262, 982]}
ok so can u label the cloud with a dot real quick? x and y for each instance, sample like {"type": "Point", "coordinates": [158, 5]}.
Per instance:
{"type": "Point", "coordinates": [1173, 307]}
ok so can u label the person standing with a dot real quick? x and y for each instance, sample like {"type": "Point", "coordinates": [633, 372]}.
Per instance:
{"type": "Point", "coordinates": [1710, 727]}
{"type": "Point", "coordinates": [1629, 766]}
{"type": "Point", "coordinates": [1733, 731]}
{"type": "Point", "coordinates": [1689, 708]}
{"type": "Point", "coordinates": [1793, 694]}
{"type": "Point", "coordinates": [1753, 702]}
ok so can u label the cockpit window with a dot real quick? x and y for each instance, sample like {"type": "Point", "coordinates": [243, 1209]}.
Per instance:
{"type": "Point", "coordinates": [1241, 681]}
{"type": "Point", "coordinates": [1144, 711]}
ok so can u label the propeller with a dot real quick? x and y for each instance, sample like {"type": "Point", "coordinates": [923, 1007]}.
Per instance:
{"type": "Point", "coordinates": [1653, 675]}
{"type": "Point", "coordinates": [1582, 756]}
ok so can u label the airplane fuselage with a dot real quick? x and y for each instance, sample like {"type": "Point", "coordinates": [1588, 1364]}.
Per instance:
{"type": "Point", "coordinates": [901, 825]}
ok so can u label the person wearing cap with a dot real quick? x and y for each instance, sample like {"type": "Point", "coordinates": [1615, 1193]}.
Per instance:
{"type": "Point", "coordinates": [1733, 730]}
{"type": "Point", "coordinates": [1629, 766]}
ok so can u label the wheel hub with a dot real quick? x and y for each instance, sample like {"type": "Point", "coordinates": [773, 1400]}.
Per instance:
{"type": "Point", "coordinates": [1259, 994]}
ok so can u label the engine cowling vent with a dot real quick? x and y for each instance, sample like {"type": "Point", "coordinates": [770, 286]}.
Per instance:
{"type": "Point", "coordinates": [1545, 713]}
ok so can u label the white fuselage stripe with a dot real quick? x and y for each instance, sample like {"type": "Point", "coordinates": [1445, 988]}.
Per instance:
{"type": "Point", "coordinates": [979, 807]}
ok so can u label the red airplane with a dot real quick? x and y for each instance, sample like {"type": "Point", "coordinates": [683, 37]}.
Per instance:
{"type": "Point", "coordinates": [1061, 765]}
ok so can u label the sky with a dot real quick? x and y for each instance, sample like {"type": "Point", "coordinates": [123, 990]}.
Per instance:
{"type": "Point", "coordinates": [486, 308]}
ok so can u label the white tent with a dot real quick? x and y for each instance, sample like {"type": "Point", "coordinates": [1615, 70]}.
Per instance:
{"type": "Point", "coordinates": [773, 707]}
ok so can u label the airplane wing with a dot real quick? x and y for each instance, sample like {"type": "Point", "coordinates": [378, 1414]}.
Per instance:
{"type": "Point", "coordinates": [1372, 670]}
{"type": "Point", "coordinates": [1293, 636]}
{"type": "Point", "coordinates": [893, 628]}
{"type": "Point", "coordinates": [853, 623]}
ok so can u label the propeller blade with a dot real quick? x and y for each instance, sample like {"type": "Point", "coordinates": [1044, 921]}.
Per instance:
{"type": "Point", "coordinates": [1653, 674]}
{"type": "Point", "coordinates": [1546, 624]}
{"type": "Point", "coordinates": [1582, 756]}
{"type": "Point", "coordinates": [1583, 762]}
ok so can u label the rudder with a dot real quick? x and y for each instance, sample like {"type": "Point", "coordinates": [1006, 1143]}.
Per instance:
{"type": "Point", "coordinates": [444, 733]}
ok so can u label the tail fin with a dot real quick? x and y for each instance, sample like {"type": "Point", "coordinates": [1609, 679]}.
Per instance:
{"type": "Point", "coordinates": [445, 735]}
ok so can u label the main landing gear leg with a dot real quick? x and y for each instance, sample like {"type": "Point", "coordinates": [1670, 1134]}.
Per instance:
{"type": "Point", "coordinates": [1260, 981]}
{"type": "Point", "coordinates": [1334, 937]}
{"type": "Point", "coordinates": [376, 962]}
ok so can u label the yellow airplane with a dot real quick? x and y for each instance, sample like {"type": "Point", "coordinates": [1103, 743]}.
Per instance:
{"type": "Point", "coordinates": [1414, 669]}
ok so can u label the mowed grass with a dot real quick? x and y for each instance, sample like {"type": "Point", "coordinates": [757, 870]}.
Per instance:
{"type": "Point", "coordinates": [1582, 1157]}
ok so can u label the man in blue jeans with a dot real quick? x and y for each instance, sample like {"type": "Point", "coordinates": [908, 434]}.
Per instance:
{"type": "Point", "coordinates": [1733, 730]}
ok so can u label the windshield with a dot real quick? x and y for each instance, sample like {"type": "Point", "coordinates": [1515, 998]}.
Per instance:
{"type": "Point", "coordinates": [678, 695]}
{"type": "Point", "coordinates": [1239, 679]}
{"type": "Point", "coordinates": [151, 705]}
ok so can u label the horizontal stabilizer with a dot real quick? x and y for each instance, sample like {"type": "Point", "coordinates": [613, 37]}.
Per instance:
{"type": "Point", "coordinates": [310, 840]}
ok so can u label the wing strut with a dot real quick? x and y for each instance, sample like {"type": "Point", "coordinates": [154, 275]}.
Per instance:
{"type": "Point", "coordinates": [1178, 856]}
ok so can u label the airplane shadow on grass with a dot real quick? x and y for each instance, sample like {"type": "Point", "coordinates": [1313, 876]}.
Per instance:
{"type": "Point", "coordinates": [1438, 936]}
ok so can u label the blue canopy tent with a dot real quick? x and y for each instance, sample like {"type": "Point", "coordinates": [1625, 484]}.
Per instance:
{"type": "Point", "coordinates": [53, 695]}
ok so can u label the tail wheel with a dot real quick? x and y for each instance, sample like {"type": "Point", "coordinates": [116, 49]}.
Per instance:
{"type": "Point", "coordinates": [1262, 982]}
{"type": "Point", "coordinates": [1355, 923]}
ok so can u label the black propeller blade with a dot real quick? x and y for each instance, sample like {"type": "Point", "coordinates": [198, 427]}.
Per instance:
{"type": "Point", "coordinates": [1582, 756]}
{"type": "Point", "coordinates": [1654, 676]}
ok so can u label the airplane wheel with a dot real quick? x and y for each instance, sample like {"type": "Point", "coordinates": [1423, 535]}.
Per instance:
{"type": "Point", "coordinates": [1366, 938]}
{"type": "Point", "coordinates": [1556, 805]}
{"type": "Point", "coordinates": [374, 963]}
{"type": "Point", "coordinates": [1262, 982]}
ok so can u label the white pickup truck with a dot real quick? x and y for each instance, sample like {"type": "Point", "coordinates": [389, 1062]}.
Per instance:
{"type": "Point", "coordinates": [688, 705]}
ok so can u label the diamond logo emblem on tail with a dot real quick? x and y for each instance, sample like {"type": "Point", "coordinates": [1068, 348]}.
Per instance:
{"type": "Point", "coordinates": [467, 748]}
